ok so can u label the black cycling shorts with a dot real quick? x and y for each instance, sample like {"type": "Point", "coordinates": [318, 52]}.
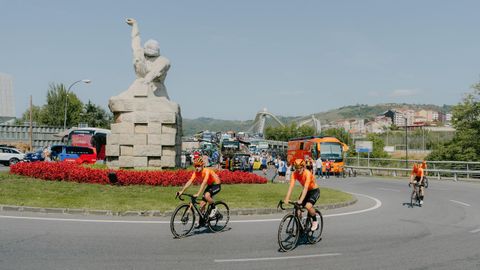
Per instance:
{"type": "Point", "coordinates": [417, 180]}
{"type": "Point", "coordinates": [311, 197]}
{"type": "Point", "coordinates": [212, 189]}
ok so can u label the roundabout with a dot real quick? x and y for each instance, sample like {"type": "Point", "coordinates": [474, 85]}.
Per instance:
{"type": "Point", "coordinates": [378, 232]}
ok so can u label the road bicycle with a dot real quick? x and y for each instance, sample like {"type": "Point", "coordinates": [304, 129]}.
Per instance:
{"type": "Point", "coordinates": [293, 225]}
{"type": "Point", "coordinates": [415, 196]}
{"type": "Point", "coordinates": [184, 216]}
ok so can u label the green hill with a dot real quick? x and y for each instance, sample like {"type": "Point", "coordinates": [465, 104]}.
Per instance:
{"type": "Point", "coordinates": [369, 112]}
{"type": "Point", "coordinates": [192, 126]}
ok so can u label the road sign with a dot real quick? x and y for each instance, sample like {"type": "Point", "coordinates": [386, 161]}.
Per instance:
{"type": "Point", "coordinates": [363, 146]}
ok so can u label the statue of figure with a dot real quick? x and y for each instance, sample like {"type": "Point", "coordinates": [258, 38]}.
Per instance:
{"type": "Point", "coordinates": [147, 128]}
{"type": "Point", "coordinates": [150, 67]}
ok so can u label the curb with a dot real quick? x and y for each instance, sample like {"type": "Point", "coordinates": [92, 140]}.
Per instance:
{"type": "Point", "coordinates": [155, 213]}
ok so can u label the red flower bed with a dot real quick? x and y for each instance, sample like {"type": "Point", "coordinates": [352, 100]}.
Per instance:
{"type": "Point", "coordinates": [70, 171]}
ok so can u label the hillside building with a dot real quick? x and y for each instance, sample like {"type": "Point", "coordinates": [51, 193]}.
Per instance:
{"type": "Point", "coordinates": [7, 102]}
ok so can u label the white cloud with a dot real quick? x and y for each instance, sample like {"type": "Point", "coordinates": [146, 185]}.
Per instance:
{"type": "Point", "coordinates": [403, 93]}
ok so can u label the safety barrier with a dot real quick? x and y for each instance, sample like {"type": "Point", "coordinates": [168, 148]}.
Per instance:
{"type": "Point", "coordinates": [456, 170]}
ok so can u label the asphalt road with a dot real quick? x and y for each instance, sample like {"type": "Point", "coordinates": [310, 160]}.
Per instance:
{"type": "Point", "coordinates": [378, 232]}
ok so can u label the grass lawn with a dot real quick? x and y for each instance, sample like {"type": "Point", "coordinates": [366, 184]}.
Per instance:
{"type": "Point", "coordinates": [24, 191]}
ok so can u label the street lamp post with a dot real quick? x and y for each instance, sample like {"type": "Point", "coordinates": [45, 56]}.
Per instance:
{"type": "Point", "coordinates": [406, 144]}
{"type": "Point", "coordinates": [66, 99]}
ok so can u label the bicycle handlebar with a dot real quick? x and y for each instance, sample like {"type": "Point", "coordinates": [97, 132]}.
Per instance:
{"type": "Point", "coordinates": [418, 184]}
{"type": "Point", "coordinates": [295, 204]}
{"type": "Point", "coordinates": [179, 196]}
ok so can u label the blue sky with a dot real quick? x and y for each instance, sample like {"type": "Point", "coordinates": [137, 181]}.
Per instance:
{"type": "Point", "coordinates": [231, 59]}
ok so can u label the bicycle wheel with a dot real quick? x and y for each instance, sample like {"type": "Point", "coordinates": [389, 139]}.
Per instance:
{"type": "Point", "coordinates": [221, 218]}
{"type": "Point", "coordinates": [413, 197]}
{"type": "Point", "coordinates": [288, 232]}
{"type": "Point", "coordinates": [182, 220]}
{"type": "Point", "coordinates": [315, 236]}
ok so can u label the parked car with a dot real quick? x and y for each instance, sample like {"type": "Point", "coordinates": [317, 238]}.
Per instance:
{"type": "Point", "coordinates": [79, 154]}
{"type": "Point", "coordinates": [35, 156]}
{"type": "Point", "coordinates": [9, 156]}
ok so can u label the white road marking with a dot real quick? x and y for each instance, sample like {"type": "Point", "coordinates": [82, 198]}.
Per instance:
{"type": "Point", "coordinates": [277, 258]}
{"type": "Point", "coordinates": [89, 220]}
{"type": "Point", "coordinates": [462, 203]}
{"type": "Point", "coordinates": [389, 189]}
{"type": "Point", "coordinates": [475, 231]}
{"type": "Point", "coordinates": [378, 203]}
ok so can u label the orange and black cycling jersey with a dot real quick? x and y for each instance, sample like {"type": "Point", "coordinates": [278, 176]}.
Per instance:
{"type": "Point", "coordinates": [209, 174]}
{"type": "Point", "coordinates": [306, 178]}
{"type": "Point", "coordinates": [417, 171]}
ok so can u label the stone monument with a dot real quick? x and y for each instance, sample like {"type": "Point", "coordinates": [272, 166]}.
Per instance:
{"type": "Point", "coordinates": [147, 126]}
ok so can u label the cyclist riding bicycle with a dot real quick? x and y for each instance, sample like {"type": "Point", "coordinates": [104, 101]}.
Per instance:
{"type": "Point", "coordinates": [309, 163]}
{"type": "Point", "coordinates": [210, 180]}
{"type": "Point", "coordinates": [310, 193]}
{"type": "Point", "coordinates": [417, 177]}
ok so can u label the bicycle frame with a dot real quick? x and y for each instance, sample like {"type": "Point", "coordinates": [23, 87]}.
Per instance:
{"type": "Point", "coordinates": [189, 212]}
{"type": "Point", "coordinates": [290, 232]}
{"type": "Point", "coordinates": [297, 211]}
{"type": "Point", "coordinates": [193, 203]}
{"type": "Point", "coordinates": [415, 193]}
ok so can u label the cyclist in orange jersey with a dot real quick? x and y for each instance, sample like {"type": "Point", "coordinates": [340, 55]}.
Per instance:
{"type": "Point", "coordinates": [424, 165]}
{"type": "Point", "coordinates": [310, 193]}
{"type": "Point", "coordinates": [210, 180]}
{"type": "Point", "coordinates": [309, 163]}
{"type": "Point", "coordinates": [417, 176]}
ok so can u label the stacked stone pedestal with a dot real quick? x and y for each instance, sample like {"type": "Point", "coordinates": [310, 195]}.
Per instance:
{"type": "Point", "coordinates": [146, 134]}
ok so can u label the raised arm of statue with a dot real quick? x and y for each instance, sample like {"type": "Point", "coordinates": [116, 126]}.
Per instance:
{"type": "Point", "coordinates": [139, 61]}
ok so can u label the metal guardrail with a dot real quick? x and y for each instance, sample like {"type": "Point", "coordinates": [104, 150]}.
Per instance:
{"type": "Point", "coordinates": [456, 170]}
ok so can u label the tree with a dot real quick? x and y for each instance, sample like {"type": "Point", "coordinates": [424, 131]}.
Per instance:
{"type": "Point", "coordinates": [338, 133]}
{"type": "Point", "coordinates": [288, 132]}
{"type": "Point", "coordinates": [36, 114]}
{"type": "Point", "coordinates": [343, 136]}
{"type": "Point", "coordinates": [378, 145]}
{"type": "Point", "coordinates": [305, 131]}
{"type": "Point", "coordinates": [53, 112]}
{"type": "Point", "coordinates": [465, 145]}
{"type": "Point", "coordinates": [95, 116]}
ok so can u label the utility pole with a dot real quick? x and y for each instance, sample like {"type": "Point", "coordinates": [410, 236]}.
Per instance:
{"type": "Point", "coordinates": [406, 144]}
{"type": "Point", "coordinates": [423, 137]}
{"type": "Point", "coordinates": [31, 128]}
